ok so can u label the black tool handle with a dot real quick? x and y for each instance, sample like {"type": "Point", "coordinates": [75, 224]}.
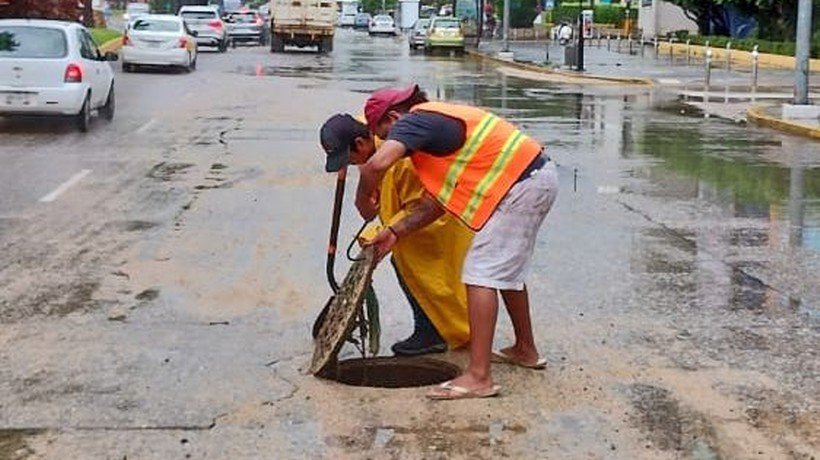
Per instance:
{"type": "Point", "coordinates": [334, 228]}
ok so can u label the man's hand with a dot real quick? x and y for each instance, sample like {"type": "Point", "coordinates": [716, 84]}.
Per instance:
{"type": "Point", "coordinates": [383, 243]}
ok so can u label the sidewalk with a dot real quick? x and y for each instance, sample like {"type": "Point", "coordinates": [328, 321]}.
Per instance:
{"type": "Point", "coordinates": [730, 94]}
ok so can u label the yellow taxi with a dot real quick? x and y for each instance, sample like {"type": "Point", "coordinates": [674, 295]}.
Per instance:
{"type": "Point", "coordinates": [444, 33]}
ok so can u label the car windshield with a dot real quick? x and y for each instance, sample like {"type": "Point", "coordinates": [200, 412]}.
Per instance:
{"type": "Point", "coordinates": [198, 14]}
{"type": "Point", "coordinates": [422, 24]}
{"type": "Point", "coordinates": [156, 25]}
{"type": "Point", "coordinates": [383, 19]}
{"type": "Point", "coordinates": [138, 8]}
{"type": "Point", "coordinates": [242, 17]}
{"type": "Point", "coordinates": [32, 42]}
{"type": "Point", "coordinates": [446, 24]}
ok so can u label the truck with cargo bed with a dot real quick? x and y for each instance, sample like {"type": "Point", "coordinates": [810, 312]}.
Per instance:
{"type": "Point", "coordinates": [302, 23]}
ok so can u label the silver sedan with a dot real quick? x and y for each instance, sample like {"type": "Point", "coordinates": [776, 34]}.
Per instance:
{"type": "Point", "coordinates": [159, 40]}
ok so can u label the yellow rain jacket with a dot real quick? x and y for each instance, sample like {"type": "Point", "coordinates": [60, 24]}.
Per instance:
{"type": "Point", "coordinates": [430, 259]}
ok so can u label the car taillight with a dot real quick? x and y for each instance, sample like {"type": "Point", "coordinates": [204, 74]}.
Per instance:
{"type": "Point", "coordinates": [259, 22]}
{"type": "Point", "coordinates": [183, 42]}
{"type": "Point", "coordinates": [73, 74]}
{"type": "Point", "coordinates": [216, 24]}
{"type": "Point", "coordinates": [126, 41]}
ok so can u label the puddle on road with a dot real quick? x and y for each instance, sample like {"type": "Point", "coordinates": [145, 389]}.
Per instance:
{"type": "Point", "coordinates": [13, 444]}
{"type": "Point", "coordinates": [670, 426]}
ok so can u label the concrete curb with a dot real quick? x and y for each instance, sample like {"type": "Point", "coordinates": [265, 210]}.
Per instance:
{"type": "Point", "coordinates": [111, 46]}
{"type": "Point", "coordinates": [589, 79]}
{"type": "Point", "coordinates": [757, 115]}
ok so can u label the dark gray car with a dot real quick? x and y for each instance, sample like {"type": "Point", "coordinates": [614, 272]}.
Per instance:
{"type": "Point", "coordinates": [246, 26]}
{"type": "Point", "coordinates": [362, 21]}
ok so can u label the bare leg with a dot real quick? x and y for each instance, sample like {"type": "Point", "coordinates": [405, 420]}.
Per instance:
{"type": "Point", "coordinates": [518, 307]}
{"type": "Point", "coordinates": [482, 304]}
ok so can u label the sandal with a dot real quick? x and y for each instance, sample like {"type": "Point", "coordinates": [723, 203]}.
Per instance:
{"type": "Point", "coordinates": [500, 357]}
{"type": "Point", "coordinates": [447, 391]}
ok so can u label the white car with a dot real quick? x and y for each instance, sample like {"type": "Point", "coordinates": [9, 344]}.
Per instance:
{"type": "Point", "coordinates": [159, 40]}
{"type": "Point", "coordinates": [382, 24]}
{"type": "Point", "coordinates": [54, 68]}
{"type": "Point", "coordinates": [209, 27]}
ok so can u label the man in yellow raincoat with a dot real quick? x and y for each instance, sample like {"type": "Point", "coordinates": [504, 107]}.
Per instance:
{"type": "Point", "coordinates": [432, 285]}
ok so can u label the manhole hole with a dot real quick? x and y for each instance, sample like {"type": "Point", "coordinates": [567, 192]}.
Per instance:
{"type": "Point", "coordinates": [391, 372]}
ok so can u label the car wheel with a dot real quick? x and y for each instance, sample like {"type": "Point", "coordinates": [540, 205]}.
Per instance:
{"type": "Point", "coordinates": [327, 45]}
{"type": "Point", "coordinates": [277, 44]}
{"type": "Point", "coordinates": [83, 119]}
{"type": "Point", "coordinates": [107, 110]}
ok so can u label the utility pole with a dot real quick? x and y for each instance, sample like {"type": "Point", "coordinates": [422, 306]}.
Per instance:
{"type": "Point", "coordinates": [506, 26]}
{"type": "Point", "coordinates": [801, 54]}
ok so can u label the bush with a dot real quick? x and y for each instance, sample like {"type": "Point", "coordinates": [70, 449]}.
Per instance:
{"type": "Point", "coordinates": [101, 36]}
{"type": "Point", "coordinates": [748, 44]}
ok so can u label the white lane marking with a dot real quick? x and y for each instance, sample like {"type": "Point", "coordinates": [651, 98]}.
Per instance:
{"type": "Point", "coordinates": [65, 186]}
{"type": "Point", "coordinates": [147, 126]}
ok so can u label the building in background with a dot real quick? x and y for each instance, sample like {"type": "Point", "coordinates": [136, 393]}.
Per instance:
{"type": "Point", "coordinates": [658, 17]}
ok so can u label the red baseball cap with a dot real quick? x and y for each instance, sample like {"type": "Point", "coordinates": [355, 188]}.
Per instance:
{"type": "Point", "coordinates": [381, 100]}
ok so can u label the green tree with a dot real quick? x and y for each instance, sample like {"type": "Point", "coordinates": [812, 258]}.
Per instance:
{"type": "Point", "coordinates": [375, 6]}
{"type": "Point", "coordinates": [776, 18]}
{"type": "Point", "coordinates": [7, 42]}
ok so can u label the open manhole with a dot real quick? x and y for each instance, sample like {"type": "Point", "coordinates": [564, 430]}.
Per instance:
{"type": "Point", "coordinates": [391, 372]}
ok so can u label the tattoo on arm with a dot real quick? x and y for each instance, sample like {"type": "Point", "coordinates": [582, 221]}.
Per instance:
{"type": "Point", "coordinates": [425, 212]}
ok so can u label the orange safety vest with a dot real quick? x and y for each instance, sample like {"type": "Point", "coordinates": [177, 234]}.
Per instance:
{"type": "Point", "coordinates": [471, 181]}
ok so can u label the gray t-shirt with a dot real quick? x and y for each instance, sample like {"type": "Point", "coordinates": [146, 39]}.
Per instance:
{"type": "Point", "coordinates": [431, 132]}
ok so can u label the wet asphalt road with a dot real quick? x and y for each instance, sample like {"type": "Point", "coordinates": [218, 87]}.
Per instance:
{"type": "Point", "coordinates": [159, 306]}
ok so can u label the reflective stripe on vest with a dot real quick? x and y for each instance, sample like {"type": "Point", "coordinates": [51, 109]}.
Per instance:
{"type": "Point", "coordinates": [471, 145]}
{"type": "Point", "coordinates": [471, 181]}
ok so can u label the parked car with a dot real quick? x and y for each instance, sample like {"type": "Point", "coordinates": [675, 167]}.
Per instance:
{"type": "Point", "coordinates": [134, 11]}
{"type": "Point", "coordinates": [362, 21]}
{"type": "Point", "coordinates": [54, 68]}
{"type": "Point", "coordinates": [209, 27]}
{"type": "Point", "coordinates": [246, 26]}
{"type": "Point", "coordinates": [444, 32]}
{"type": "Point", "coordinates": [418, 35]}
{"type": "Point", "coordinates": [159, 40]}
{"type": "Point", "coordinates": [382, 24]}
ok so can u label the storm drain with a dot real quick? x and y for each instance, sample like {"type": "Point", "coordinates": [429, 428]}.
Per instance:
{"type": "Point", "coordinates": [392, 372]}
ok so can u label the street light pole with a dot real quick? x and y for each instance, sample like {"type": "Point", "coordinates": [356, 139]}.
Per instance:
{"type": "Point", "coordinates": [506, 26]}
{"type": "Point", "coordinates": [580, 52]}
{"type": "Point", "coordinates": [801, 54]}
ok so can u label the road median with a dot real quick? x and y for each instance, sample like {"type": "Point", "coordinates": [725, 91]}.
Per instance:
{"type": "Point", "coordinates": [568, 76]}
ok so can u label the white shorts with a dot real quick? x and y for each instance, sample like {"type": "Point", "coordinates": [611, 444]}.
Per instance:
{"type": "Point", "coordinates": [502, 250]}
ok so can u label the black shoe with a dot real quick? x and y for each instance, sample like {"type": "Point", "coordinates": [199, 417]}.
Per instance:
{"type": "Point", "coordinates": [415, 346]}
